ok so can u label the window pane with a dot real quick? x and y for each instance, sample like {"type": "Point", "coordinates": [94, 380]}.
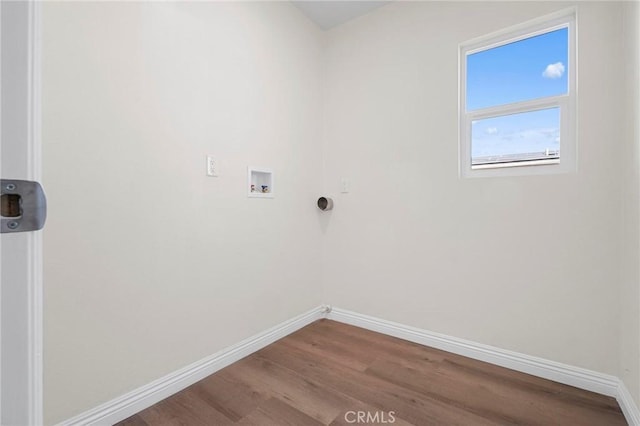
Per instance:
{"type": "Point", "coordinates": [532, 68]}
{"type": "Point", "coordinates": [526, 136]}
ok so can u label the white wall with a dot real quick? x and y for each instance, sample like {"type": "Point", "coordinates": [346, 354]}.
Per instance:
{"type": "Point", "coordinates": [529, 264]}
{"type": "Point", "coordinates": [149, 264]}
{"type": "Point", "coordinates": [630, 282]}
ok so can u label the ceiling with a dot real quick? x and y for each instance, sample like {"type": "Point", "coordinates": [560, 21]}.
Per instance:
{"type": "Point", "coordinates": [330, 13]}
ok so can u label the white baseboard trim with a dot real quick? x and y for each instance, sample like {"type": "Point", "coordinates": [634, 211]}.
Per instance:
{"type": "Point", "coordinates": [562, 373]}
{"type": "Point", "coordinates": [569, 375]}
{"type": "Point", "coordinates": [628, 405]}
{"type": "Point", "coordinates": [137, 400]}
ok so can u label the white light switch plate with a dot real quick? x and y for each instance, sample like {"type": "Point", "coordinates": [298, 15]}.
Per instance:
{"type": "Point", "coordinates": [212, 166]}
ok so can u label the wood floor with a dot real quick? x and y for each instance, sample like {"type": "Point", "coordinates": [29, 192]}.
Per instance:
{"type": "Point", "coordinates": [330, 373]}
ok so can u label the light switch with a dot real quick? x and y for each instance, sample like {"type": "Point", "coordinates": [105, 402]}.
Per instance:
{"type": "Point", "coordinates": [212, 166]}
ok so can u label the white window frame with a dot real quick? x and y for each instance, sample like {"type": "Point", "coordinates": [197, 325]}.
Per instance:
{"type": "Point", "coordinates": [566, 102]}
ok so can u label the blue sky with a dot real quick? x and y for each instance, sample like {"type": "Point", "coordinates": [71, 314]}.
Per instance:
{"type": "Point", "coordinates": [528, 69]}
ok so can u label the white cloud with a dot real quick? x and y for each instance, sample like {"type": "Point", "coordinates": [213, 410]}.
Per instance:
{"type": "Point", "coordinates": [491, 130]}
{"type": "Point", "coordinates": [554, 70]}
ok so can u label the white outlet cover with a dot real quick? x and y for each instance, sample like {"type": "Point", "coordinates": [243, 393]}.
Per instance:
{"type": "Point", "coordinates": [345, 185]}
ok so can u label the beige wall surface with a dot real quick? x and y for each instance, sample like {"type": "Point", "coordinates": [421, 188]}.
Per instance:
{"type": "Point", "coordinates": [630, 271]}
{"type": "Point", "coordinates": [529, 263]}
{"type": "Point", "coordinates": [149, 264]}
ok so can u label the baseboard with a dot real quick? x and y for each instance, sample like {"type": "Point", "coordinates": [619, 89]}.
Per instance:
{"type": "Point", "coordinates": [562, 373]}
{"type": "Point", "coordinates": [628, 405]}
{"type": "Point", "coordinates": [135, 401]}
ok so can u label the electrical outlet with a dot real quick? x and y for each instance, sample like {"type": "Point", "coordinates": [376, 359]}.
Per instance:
{"type": "Point", "coordinates": [212, 166]}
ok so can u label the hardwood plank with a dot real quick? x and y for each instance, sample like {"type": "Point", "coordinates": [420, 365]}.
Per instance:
{"type": "Point", "coordinates": [229, 395]}
{"type": "Point", "coordinates": [275, 412]}
{"type": "Point", "coordinates": [334, 347]}
{"type": "Point", "coordinates": [184, 408]}
{"type": "Point", "coordinates": [134, 420]}
{"type": "Point", "coordinates": [301, 392]}
{"type": "Point", "coordinates": [329, 370]}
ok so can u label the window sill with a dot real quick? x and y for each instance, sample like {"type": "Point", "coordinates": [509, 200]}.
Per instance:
{"type": "Point", "coordinates": [515, 164]}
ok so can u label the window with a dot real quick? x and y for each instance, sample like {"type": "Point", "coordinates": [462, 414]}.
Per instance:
{"type": "Point", "coordinates": [517, 100]}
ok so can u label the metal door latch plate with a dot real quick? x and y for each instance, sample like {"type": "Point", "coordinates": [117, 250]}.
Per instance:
{"type": "Point", "coordinates": [23, 206]}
